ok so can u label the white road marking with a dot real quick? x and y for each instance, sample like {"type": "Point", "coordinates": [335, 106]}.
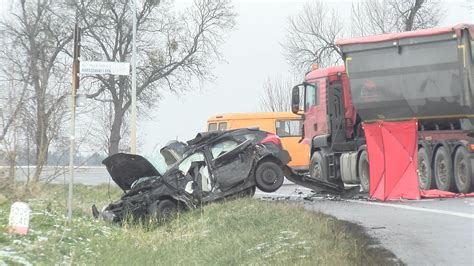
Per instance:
{"type": "Point", "coordinates": [278, 195]}
{"type": "Point", "coordinates": [458, 214]}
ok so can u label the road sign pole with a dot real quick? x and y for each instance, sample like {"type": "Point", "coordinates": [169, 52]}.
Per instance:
{"type": "Point", "coordinates": [75, 85]}
{"type": "Point", "coordinates": [133, 126]}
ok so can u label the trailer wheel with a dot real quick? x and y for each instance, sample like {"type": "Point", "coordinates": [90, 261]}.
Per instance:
{"type": "Point", "coordinates": [318, 167]}
{"type": "Point", "coordinates": [462, 170]}
{"type": "Point", "coordinates": [443, 170]}
{"type": "Point", "coordinates": [425, 180]}
{"type": "Point", "coordinates": [363, 171]}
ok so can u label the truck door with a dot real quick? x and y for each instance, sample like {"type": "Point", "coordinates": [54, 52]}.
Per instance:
{"type": "Point", "coordinates": [336, 113]}
{"type": "Point", "coordinates": [315, 122]}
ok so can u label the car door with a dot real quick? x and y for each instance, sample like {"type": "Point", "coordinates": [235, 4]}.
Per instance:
{"type": "Point", "coordinates": [232, 162]}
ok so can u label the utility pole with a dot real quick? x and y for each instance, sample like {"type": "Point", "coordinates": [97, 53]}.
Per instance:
{"type": "Point", "coordinates": [133, 130]}
{"type": "Point", "coordinates": [75, 85]}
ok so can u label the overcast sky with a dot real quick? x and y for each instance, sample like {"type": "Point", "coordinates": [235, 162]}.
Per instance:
{"type": "Point", "coordinates": [252, 53]}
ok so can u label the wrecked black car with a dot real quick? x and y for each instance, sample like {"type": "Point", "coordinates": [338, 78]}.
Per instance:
{"type": "Point", "coordinates": [210, 167]}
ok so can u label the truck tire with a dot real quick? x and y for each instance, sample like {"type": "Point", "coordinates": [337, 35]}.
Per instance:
{"type": "Point", "coordinates": [269, 177]}
{"type": "Point", "coordinates": [443, 170]}
{"type": "Point", "coordinates": [425, 178]}
{"type": "Point", "coordinates": [363, 171]}
{"type": "Point", "coordinates": [462, 170]}
{"type": "Point", "coordinates": [318, 166]}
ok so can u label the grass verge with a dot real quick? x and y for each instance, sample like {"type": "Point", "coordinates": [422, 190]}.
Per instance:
{"type": "Point", "coordinates": [246, 231]}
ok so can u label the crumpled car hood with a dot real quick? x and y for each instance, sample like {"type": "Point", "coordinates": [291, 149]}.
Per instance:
{"type": "Point", "coordinates": [127, 168]}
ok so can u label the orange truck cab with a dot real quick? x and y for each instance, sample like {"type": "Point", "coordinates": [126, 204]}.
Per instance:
{"type": "Point", "coordinates": [286, 125]}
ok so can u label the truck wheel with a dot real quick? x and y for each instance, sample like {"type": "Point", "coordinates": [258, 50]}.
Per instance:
{"type": "Point", "coordinates": [462, 170]}
{"type": "Point", "coordinates": [162, 210]}
{"type": "Point", "coordinates": [363, 171]}
{"type": "Point", "coordinates": [318, 166]}
{"type": "Point", "coordinates": [443, 170]}
{"type": "Point", "coordinates": [425, 180]}
{"type": "Point", "coordinates": [269, 177]}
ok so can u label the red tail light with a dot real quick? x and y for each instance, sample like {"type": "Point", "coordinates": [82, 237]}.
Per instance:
{"type": "Point", "coordinates": [271, 138]}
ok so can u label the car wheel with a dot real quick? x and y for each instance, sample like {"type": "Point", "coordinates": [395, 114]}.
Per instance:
{"type": "Point", "coordinates": [425, 180]}
{"type": "Point", "coordinates": [269, 177]}
{"type": "Point", "coordinates": [163, 209]}
{"type": "Point", "coordinates": [249, 192]}
{"type": "Point", "coordinates": [364, 171]}
{"type": "Point", "coordinates": [443, 170]}
{"type": "Point", "coordinates": [463, 170]}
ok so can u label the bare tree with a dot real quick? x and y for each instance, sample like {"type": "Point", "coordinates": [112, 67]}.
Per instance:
{"type": "Point", "coordinates": [383, 16]}
{"type": "Point", "coordinates": [312, 33]}
{"type": "Point", "coordinates": [11, 105]}
{"type": "Point", "coordinates": [39, 33]}
{"type": "Point", "coordinates": [276, 95]}
{"type": "Point", "coordinates": [174, 49]}
{"type": "Point", "coordinates": [469, 5]}
{"type": "Point", "coordinates": [12, 101]}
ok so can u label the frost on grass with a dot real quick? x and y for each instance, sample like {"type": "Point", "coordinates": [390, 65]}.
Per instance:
{"type": "Point", "coordinates": [49, 240]}
{"type": "Point", "coordinates": [284, 242]}
{"type": "Point", "coordinates": [9, 257]}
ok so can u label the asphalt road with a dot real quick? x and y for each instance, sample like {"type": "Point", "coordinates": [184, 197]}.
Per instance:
{"type": "Point", "coordinates": [424, 232]}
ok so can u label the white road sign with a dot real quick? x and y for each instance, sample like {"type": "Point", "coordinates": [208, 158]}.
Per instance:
{"type": "Point", "coordinates": [19, 219]}
{"type": "Point", "coordinates": [103, 68]}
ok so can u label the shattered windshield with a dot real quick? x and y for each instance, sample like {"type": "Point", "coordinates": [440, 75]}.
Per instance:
{"type": "Point", "coordinates": [157, 160]}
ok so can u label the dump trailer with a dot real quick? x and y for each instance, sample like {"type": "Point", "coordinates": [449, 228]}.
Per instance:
{"type": "Point", "coordinates": [427, 75]}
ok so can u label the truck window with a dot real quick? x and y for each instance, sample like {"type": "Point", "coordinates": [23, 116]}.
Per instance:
{"type": "Point", "coordinates": [212, 127]}
{"type": "Point", "coordinates": [311, 96]}
{"type": "Point", "coordinates": [288, 128]}
{"type": "Point", "coordinates": [223, 126]}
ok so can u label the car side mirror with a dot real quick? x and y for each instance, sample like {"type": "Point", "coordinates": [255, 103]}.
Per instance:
{"type": "Point", "coordinates": [295, 100]}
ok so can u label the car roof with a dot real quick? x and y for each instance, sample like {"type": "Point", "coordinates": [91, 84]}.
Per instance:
{"type": "Point", "coordinates": [205, 137]}
{"type": "Point", "coordinates": [250, 116]}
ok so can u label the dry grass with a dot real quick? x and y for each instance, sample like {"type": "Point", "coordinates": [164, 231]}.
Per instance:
{"type": "Point", "coordinates": [245, 231]}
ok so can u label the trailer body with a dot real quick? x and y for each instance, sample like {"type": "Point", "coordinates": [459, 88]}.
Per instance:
{"type": "Point", "coordinates": [427, 75]}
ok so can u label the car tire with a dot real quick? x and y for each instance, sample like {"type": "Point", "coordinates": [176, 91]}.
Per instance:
{"type": "Point", "coordinates": [443, 170]}
{"type": "Point", "coordinates": [463, 170]}
{"type": "Point", "coordinates": [249, 192]}
{"type": "Point", "coordinates": [269, 177]}
{"type": "Point", "coordinates": [363, 171]}
{"type": "Point", "coordinates": [425, 177]}
{"type": "Point", "coordinates": [163, 209]}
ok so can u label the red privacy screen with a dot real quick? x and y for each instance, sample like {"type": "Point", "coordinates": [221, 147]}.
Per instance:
{"type": "Point", "coordinates": [393, 157]}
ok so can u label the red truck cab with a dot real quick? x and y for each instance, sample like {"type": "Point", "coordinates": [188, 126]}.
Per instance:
{"type": "Point", "coordinates": [327, 105]}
